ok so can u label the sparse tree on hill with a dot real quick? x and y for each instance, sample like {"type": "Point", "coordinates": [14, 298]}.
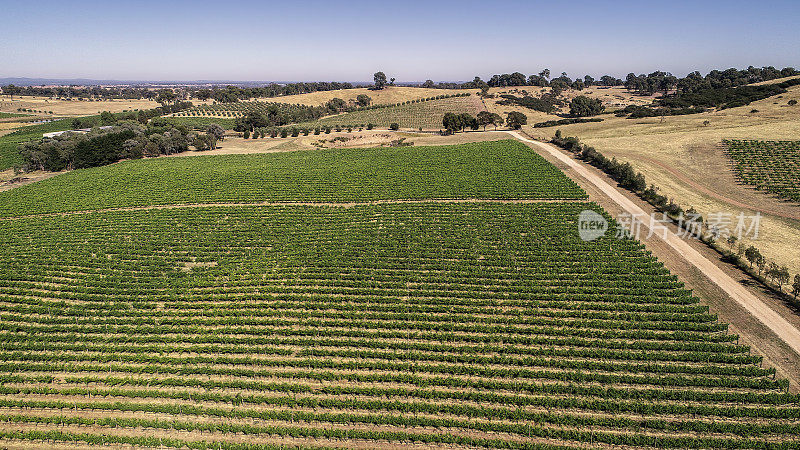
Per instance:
{"type": "Point", "coordinates": [380, 80]}
{"type": "Point", "coordinates": [516, 120]}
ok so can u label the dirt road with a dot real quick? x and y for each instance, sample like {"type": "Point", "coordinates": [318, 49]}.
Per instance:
{"type": "Point", "coordinates": [752, 304]}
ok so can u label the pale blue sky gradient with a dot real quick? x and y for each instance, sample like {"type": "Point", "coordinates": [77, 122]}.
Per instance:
{"type": "Point", "coordinates": [411, 40]}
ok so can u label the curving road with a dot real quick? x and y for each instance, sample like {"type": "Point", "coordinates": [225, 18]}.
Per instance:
{"type": "Point", "coordinates": [752, 304]}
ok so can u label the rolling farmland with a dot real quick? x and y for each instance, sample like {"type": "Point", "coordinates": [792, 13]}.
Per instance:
{"type": "Point", "coordinates": [771, 166]}
{"type": "Point", "coordinates": [426, 114]}
{"type": "Point", "coordinates": [459, 324]}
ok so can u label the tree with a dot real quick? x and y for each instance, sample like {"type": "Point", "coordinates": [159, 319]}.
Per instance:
{"type": "Point", "coordinates": [428, 84]}
{"type": "Point", "coordinates": [217, 133]}
{"type": "Point", "coordinates": [588, 80]}
{"type": "Point", "coordinates": [10, 90]}
{"type": "Point", "coordinates": [782, 277]}
{"type": "Point", "coordinates": [203, 94]}
{"type": "Point", "coordinates": [583, 106]}
{"type": "Point", "coordinates": [484, 118]}
{"type": "Point", "coordinates": [752, 254]}
{"type": "Point", "coordinates": [761, 262]}
{"type": "Point", "coordinates": [394, 126]}
{"type": "Point", "coordinates": [107, 118]}
{"type": "Point", "coordinates": [545, 74]}
{"type": "Point", "coordinates": [516, 120]}
{"type": "Point", "coordinates": [452, 122]}
{"type": "Point", "coordinates": [363, 100]}
{"type": "Point", "coordinates": [796, 286]}
{"type": "Point", "coordinates": [166, 96]}
{"type": "Point", "coordinates": [497, 119]}
{"type": "Point", "coordinates": [731, 241]}
{"type": "Point", "coordinates": [380, 80]}
{"type": "Point", "coordinates": [336, 104]}
{"type": "Point", "coordinates": [391, 81]}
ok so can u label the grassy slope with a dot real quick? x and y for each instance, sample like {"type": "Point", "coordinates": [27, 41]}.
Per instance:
{"type": "Point", "coordinates": [499, 169]}
{"type": "Point", "coordinates": [427, 115]}
{"type": "Point", "coordinates": [390, 94]}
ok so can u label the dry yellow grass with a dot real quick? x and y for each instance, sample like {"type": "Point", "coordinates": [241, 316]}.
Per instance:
{"type": "Point", "coordinates": [391, 94]}
{"type": "Point", "coordinates": [73, 108]}
{"type": "Point", "coordinates": [681, 156]}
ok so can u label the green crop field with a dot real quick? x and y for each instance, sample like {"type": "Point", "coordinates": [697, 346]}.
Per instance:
{"type": "Point", "coordinates": [771, 166]}
{"type": "Point", "coordinates": [439, 324]}
{"type": "Point", "coordinates": [426, 115]}
{"type": "Point", "coordinates": [201, 122]}
{"type": "Point", "coordinates": [496, 170]}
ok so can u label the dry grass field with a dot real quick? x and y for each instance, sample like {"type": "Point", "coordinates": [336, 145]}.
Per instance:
{"type": "Point", "coordinates": [74, 107]}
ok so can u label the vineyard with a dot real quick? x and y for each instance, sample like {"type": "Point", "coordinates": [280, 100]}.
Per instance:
{"type": "Point", "coordinates": [488, 170]}
{"type": "Point", "coordinates": [771, 166]}
{"type": "Point", "coordinates": [426, 114]}
{"type": "Point", "coordinates": [470, 324]}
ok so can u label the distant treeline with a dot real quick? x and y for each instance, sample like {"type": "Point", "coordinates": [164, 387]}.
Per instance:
{"type": "Point", "coordinates": [230, 94]}
{"type": "Point", "coordinates": [553, 123]}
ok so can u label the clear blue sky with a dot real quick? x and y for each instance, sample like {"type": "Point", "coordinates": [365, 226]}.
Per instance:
{"type": "Point", "coordinates": [410, 40]}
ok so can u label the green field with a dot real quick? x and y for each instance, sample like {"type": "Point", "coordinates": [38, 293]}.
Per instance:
{"type": "Point", "coordinates": [426, 115]}
{"type": "Point", "coordinates": [499, 170]}
{"type": "Point", "coordinates": [771, 166]}
{"type": "Point", "coordinates": [440, 324]}
{"type": "Point", "coordinates": [201, 122]}
{"type": "Point", "coordinates": [5, 115]}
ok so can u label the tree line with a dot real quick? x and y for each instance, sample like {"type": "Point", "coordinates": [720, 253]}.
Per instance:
{"type": "Point", "coordinates": [125, 139]}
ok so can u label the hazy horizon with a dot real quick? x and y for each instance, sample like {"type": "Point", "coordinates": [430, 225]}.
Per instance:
{"type": "Point", "coordinates": [247, 41]}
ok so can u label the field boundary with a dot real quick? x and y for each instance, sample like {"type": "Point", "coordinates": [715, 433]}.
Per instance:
{"type": "Point", "coordinates": [317, 204]}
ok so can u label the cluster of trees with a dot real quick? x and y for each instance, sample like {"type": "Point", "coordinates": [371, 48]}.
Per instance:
{"type": "Point", "coordinates": [519, 79]}
{"type": "Point", "coordinates": [583, 106]}
{"type": "Point", "coordinates": [457, 122]}
{"type": "Point", "coordinates": [695, 82]}
{"type": "Point", "coordinates": [232, 94]}
{"type": "Point", "coordinates": [547, 102]}
{"type": "Point", "coordinates": [275, 115]}
{"type": "Point", "coordinates": [127, 139]}
{"type": "Point", "coordinates": [726, 97]}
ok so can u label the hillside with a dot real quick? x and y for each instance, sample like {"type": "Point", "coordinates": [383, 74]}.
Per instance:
{"type": "Point", "coordinates": [330, 319]}
{"type": "Point", "coordinates": [427, 114]}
